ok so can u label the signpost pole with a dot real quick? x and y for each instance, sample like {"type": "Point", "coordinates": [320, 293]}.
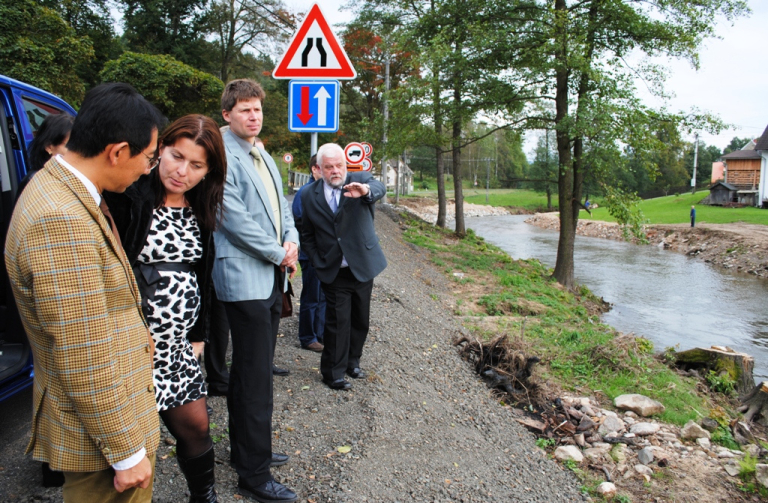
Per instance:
{"type": "Point", "coordinates": [313, 144]}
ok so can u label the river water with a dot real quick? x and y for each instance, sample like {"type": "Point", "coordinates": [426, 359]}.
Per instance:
{"type": "Point", "coordinates": [667, 297]}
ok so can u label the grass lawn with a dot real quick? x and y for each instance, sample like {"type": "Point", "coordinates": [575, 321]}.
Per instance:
{"type": "Point", "coordinates": [676, 210]}
{"type": "Point", "coordinates": [519, 198]}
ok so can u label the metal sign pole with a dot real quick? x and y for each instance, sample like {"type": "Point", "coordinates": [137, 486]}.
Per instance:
{"type": "Point", "coordinates": [313, 144]}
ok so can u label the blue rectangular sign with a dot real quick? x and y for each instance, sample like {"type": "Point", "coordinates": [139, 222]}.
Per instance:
{"type": "Point", "coordinates": [313, 106]}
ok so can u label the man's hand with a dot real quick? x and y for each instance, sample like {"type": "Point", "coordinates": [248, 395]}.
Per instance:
{"type": "Point", "coordinates": [197, 349]}
{"type": "Point", "coordinates": [356, 189]}
{"type": "Point", "coordinates": [138, 476]}
{"type": "Point", "coordinates": [291, 255]}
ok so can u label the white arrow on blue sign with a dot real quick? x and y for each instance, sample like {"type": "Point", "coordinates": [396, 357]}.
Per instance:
{"type": "Point", "coordinates": [313, 106]}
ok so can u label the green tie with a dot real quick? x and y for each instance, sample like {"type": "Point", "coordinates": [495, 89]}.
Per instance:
{"type": "Point", "coordinates": [266, 179]}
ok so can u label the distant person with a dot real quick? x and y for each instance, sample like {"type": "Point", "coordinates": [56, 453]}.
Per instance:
{"type": "Point", "coordinates": [94, 416]}
{"type": "Point", "coordinates": [338, 235]}
{"type": "Point", "coordinates": [51, 139]}
{"type": "Point", "coordinates": [166, 220]}
{"type": "Point", "coordinates": [693, 216]}
{"type": "Point", "coordinates": [587, 204]}
{"type": "Point", "coordinates": [312, 301]}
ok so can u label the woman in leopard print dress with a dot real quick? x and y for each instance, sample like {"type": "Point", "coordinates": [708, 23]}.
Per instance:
{"type": "Point", "coordinates": [165, 221]}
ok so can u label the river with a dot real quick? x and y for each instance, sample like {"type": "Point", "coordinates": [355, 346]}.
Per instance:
{"type": "Point", "coordinates": [666, 297]}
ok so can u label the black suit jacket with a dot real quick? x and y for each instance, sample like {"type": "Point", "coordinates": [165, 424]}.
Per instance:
{"type": "Point", "coordinates": [327, 237]}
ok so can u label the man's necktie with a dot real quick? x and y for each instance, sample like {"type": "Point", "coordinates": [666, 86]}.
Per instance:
{"type": "Point", "coordinates": [105, 209]}
{"type": "Point", "coordinates": [269, 184]}
{"type": "Point", "coordinates": [334, 205]}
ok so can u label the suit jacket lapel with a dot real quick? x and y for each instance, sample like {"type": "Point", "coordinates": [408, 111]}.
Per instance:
{"type": "Point", "coordinates": [320, 198]}
{"type": "Point", "coordinates": [246, 161]}
{"type": "Point", "coordinates": [85, 197]}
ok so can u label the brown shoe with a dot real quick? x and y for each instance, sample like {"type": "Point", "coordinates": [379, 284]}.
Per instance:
{"type": "Point", "coordinates": [315, 346]}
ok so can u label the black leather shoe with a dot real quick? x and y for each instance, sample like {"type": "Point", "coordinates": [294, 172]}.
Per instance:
{"type": "Point", "coordinates": [356, 373]}
{"type": "Point", "coordinates": [271, 491]}
{"type": "Point", "coordinates": [279, 459]}
{"type": "Point", "coordinates": [277, 371]}
{"type": "Point", "coordinates": [341, 384]}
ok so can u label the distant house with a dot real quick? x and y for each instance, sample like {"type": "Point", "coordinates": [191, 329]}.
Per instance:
{"type": "Point", "coordinates": [762, 191]}
{"type": "Point", "coordinates": [743, 177]}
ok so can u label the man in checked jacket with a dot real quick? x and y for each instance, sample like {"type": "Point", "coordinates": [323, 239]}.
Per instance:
{"type": "Point", "coordinates": [94, 413]}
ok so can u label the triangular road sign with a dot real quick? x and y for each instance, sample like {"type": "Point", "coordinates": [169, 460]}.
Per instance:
{"type": "Point", "coordinates": [314, 52]}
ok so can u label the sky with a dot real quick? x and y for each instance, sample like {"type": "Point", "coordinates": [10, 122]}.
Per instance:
{"type": "Point", "coordinates": [732, 82]}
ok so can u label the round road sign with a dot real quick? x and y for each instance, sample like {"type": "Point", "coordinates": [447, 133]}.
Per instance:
{"type": "Point", "coordinates": [368, 148]}
{"type": "Point", "coordinates": [288, 158]}
{"type": "Point", "coordinates": [354, 152]}
{"type": "Point", "coordinates": [367, 164]}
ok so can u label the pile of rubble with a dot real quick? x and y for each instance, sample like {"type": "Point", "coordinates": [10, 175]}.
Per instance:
{"type": "Point", "coordinates": [629, 444]}
{"type": "Point", "coordinates": [428, 213]}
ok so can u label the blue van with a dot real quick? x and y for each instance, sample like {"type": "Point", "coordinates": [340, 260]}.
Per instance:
{"type": "Point", "coordinates": [22, 110]}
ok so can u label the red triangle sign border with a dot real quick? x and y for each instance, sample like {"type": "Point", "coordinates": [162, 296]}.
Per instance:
{"type": "Point", "coordinates": [346, 72]}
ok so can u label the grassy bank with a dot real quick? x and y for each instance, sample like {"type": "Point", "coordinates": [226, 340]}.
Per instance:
{"type": "Point", "coordinates": [676, 209]}
{"type": "Point", "coordinates": [498, 295]}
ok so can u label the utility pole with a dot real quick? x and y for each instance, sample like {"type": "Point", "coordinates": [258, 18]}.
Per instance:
{"type": "Point", "coordinates": [695, 161]}
{"type": "Point", "coordinates": [384, 133]}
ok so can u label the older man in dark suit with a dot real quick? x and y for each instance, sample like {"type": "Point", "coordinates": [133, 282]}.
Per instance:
{"type": "Point", "coordinates": [338, 235]}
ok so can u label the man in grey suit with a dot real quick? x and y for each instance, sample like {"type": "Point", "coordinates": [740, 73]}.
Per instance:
{"type": "Point", "coordinates": [256, 245]}
{"type": "Point", "coordinates": [338, 235]}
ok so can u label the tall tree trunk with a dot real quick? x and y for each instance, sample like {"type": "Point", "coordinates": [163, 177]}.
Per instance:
{"type": "Point", "coordinates": [549, 198]}
{"type": "Point", "coordinates": [581, 108]}
{"type": "Point", "coordinates": [564, 262]}
{"type": "Point", "coordinates": [456, 153]}
{"type": "Point", "coordinates": [439, 163]}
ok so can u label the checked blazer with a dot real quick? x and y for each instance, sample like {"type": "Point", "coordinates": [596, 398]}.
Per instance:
{"type": "Point", "coordinates": [93, 399]}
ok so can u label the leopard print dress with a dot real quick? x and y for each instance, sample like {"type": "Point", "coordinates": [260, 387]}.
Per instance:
{"type": "Point", "coordinates": [174, 236]}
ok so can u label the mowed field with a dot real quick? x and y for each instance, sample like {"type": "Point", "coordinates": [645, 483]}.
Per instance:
{"type": "Point", "coordinates": [674, 209]}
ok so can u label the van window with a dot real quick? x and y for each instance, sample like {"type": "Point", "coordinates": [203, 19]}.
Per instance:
{"type": "Point", "coordinates": [36, 112]}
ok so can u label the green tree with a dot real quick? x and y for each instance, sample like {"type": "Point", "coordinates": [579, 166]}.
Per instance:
{"type": "Point", "coordinates": [175, 88]}
{"type": "Point", "coordinates": [580, 48]}
{"type": "Point", "coordinates": [92, 19]}
{"type": "Point", "coordinates": [262, 25]}
{"type": "Point", "coordinates": [542, 174]}
{"type": "Point", "coordinates": [38, 47]}
{"type": "Point", "coordinates": [172, 27]}
{"type": "Point", "coordinates": [736, 144]}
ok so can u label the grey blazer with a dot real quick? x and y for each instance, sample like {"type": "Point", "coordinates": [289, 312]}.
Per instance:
{"type": "Point", "coordinates": [246, 248]}
{"type": "Point", "coordinates": [326, 236]}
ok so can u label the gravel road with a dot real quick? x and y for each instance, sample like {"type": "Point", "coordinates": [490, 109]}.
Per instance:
{"type": "Point", "coordinates": [422, 427]}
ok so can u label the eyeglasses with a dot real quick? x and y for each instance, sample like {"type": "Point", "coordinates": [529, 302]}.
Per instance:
{"type": "Point", "coordinates": [152, 161]}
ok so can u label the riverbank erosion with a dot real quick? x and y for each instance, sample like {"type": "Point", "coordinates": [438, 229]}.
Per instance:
{"type": "Point", "coordinates": [737, 247]}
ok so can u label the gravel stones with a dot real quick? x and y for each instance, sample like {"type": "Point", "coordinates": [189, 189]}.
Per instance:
{"type": "Point", "coordinates": [610, 424]}
{"type": "Point", "coordinates": [607, 490]}
{"type": "Point", "coordinates": [569, 453]}
{"type": "Point", "coordinates": [691, 431]}
{"type": "Point", "coordinates": [644, 429]}
{"type": "Point", "coordinates": [639, 404]}
{"type": "Point", "coordinates": [645, 455]}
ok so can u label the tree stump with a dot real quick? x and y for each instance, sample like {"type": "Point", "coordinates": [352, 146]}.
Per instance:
{"type": "Point", "coordinates": [756, 404]}
{"type": "Point", "coordinates": [720, 359]}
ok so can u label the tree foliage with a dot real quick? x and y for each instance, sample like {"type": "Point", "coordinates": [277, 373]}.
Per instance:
{"type": "Point", "coordinates": [38, 47]}
{"type": "Point", "coordinates": [175, 88]}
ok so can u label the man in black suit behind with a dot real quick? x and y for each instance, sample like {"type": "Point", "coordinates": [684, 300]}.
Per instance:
{"type": "Point", "coordinates": [338, 235]}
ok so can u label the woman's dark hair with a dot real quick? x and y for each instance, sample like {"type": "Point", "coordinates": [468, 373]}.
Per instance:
{"type": "Point", "coordinates": [53, 131]}
{"type": "Point", "coordinates": [206, 197]}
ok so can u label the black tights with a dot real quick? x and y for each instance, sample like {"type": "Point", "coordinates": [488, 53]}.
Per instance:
{"type": "Point", "coordinates": [188, 424]}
